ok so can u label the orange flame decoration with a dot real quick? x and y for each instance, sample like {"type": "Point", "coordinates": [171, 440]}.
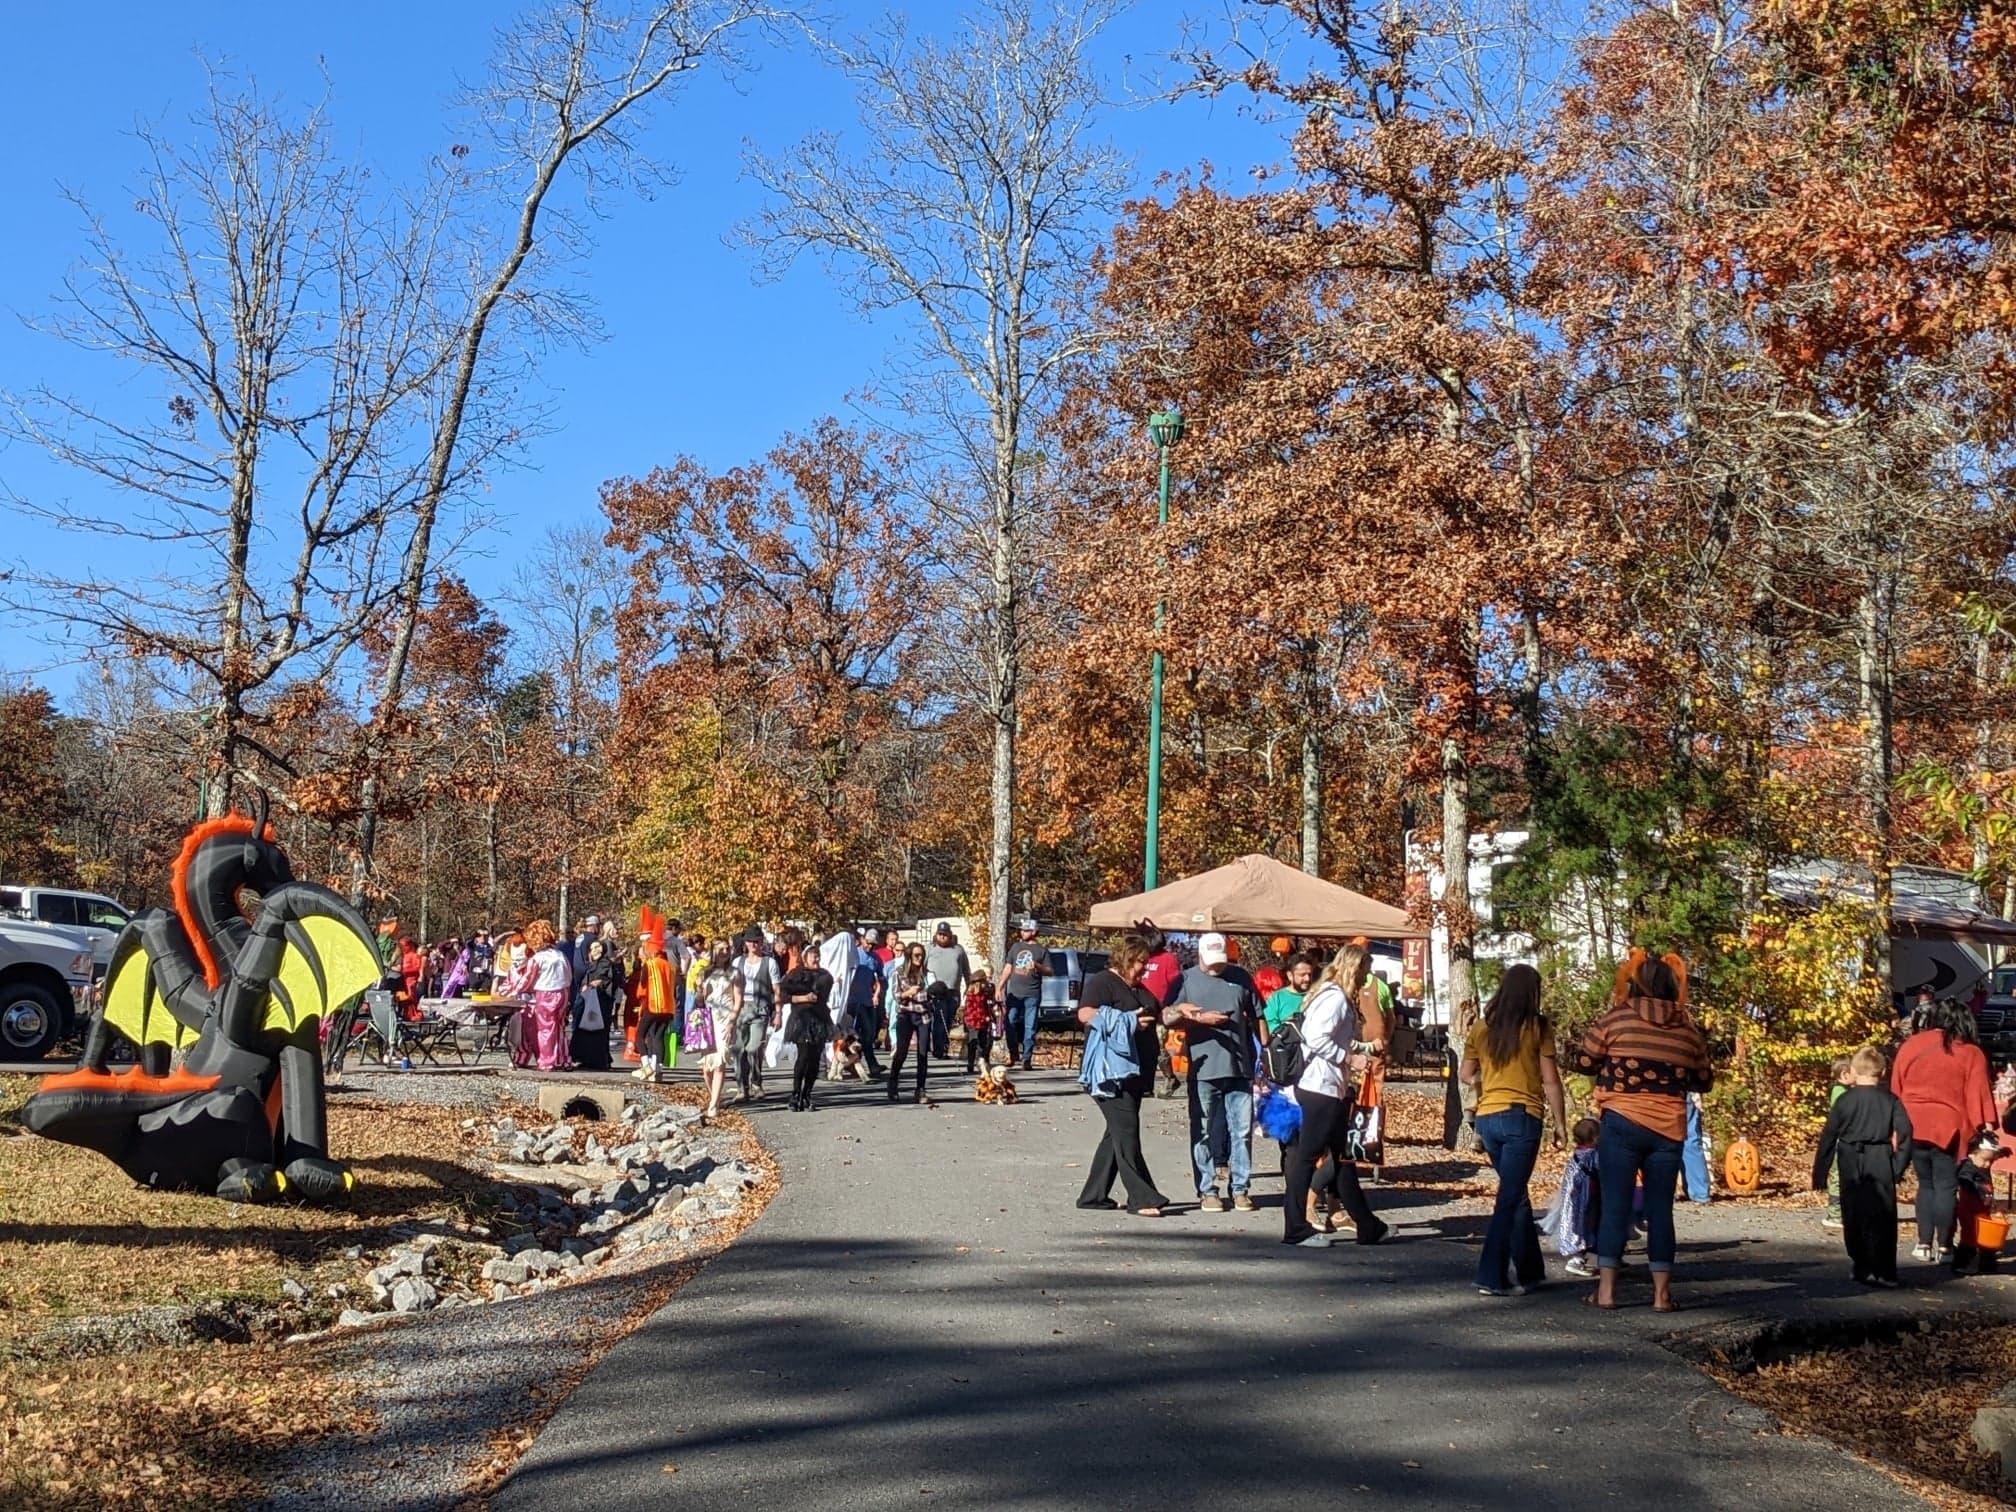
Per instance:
{"type": "Point", "coordinates": [230, 824]}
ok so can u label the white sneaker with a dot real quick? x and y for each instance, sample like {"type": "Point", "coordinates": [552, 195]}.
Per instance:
{"type": "Point", "coordinates": [1582, 1266]}
{"type": "Point", "coordinates": [1922, 1253]}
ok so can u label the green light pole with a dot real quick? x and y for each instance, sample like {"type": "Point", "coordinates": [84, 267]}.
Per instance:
{"type": "Point", "coordinates": [1165, 429]}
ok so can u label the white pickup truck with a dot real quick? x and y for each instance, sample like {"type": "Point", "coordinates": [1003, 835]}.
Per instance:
{"type": "Point", "coordinates": [97, 917]}
{"type": "Point", "coordinates": [45, 986]}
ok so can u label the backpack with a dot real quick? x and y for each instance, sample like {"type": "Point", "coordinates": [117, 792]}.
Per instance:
{"type": "Point", "coordinates": [1285, 1055]}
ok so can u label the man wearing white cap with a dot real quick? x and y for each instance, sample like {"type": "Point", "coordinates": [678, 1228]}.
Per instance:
{"type": "Point", "coordinates": [1023, 967]}
{"type": "Point", "coordinates": [1217, 1008]}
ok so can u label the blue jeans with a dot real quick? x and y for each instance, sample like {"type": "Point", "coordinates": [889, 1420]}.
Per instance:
{"type": "Point", "coordinates": [1694, 1157]}
{"type": "Point", "coordinates": [1021, 1017]}
{"type": "Point", "coordinates": [1221, 1113]}
{"type": "Point", "coordinates": [1623, 1149]}
{"type": "Point", "coordinates": [1512, 1143]}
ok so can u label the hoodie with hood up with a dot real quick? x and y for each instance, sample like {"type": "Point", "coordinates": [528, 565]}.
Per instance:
{"type": "Point", "coordinates": [1646, 1055]}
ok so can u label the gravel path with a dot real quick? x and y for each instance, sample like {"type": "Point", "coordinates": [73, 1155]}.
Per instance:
{"type": "Point", "coordinates": [452, 1392]}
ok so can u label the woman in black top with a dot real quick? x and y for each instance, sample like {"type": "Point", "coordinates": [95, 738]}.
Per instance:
{"type": "Point", "coordinates": [599, 986]}
{"type": "Point", "coordinates": [1119, 1153]}
{"type": "Point", "coordinates": [807, 991]}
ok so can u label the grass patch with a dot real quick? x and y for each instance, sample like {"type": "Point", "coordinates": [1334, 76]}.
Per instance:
{"type": "Point", "coordinates": [180, 1428]}
{"type": "Point", "coordinates": [185, 1426]}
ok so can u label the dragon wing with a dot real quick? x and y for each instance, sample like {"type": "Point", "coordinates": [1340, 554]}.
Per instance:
{"type": "Point", "coordinates": [327, 957]}
{"type": "Point", "coordinates": [130, 1001]}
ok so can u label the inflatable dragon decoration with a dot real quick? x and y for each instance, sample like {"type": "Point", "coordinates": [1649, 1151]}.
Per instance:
{"type": "Point", "coordinates": [240, 985]}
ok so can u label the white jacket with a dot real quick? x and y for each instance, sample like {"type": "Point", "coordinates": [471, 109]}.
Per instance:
{"type": "Point", "coordinates": [1329, 1025]}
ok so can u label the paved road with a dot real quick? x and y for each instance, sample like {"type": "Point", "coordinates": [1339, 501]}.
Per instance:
{"type": "Point", "coordinates": [922, 1314]}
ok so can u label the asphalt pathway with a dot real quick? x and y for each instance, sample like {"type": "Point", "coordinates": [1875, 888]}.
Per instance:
{"type": "Point", "coordinates": [922, 1317]}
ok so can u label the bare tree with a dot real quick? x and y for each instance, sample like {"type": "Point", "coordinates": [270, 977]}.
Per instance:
{"type": "Point", "coordinates": [564, 89]}
{"type": "Point", "coordinates": [973, 204]}
{"type": "Point", "coordinates": [567, 601]}
{"type": "Point", "coordinates": [282, 324]}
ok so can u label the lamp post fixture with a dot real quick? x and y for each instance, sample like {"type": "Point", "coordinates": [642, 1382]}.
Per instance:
{"type": "Point", "coordinates": [1165, 429]}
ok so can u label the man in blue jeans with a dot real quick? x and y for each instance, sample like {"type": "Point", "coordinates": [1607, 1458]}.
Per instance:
{"type": "Point", "coordinates": [1216, 1007]}
{"type": "Point", "coordinates": [1023, 966]}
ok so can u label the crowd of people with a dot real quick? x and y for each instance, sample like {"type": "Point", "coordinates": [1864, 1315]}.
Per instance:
{"type": "Point", "coordinates": [1294, 1051]}
{"type": "Point", "coordinates": [769, 1000]}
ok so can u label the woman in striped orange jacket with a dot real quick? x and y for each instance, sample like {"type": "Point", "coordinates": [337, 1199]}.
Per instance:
{"type": "Point", "coordinates": [1646, 1054]}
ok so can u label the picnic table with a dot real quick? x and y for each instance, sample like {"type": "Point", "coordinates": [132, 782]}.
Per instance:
{"type": "Point", "coordinates": [490, 1016]}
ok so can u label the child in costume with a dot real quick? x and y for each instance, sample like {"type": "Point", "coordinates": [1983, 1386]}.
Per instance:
{"type": "Point", "coordinates": [1975, 1201]}
{"type": "Point", "coordinates": [1868, 1134]}
{"type": "Point", "coordinates": [977, 1014]}
{"type": "Point", "coordinates": [1578, 1204]}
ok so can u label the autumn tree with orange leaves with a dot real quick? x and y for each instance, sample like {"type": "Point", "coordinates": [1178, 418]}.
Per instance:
{"type": "Point", "coordinates": [765, 652]}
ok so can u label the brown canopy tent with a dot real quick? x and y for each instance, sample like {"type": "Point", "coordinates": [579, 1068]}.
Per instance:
{"type": "Point", "coordinates": [1259, 895]}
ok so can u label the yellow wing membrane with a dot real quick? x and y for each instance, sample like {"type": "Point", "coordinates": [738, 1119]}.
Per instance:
{"type": "Point", "coordinates": [130, 1003]}
{"type": "Point", "coordinates": [329, 958]}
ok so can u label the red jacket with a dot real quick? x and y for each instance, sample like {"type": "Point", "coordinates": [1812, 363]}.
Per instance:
{"type": "Point", "coordinates": [1944, 1089]}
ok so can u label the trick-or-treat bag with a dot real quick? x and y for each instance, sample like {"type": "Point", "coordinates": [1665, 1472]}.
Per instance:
{"type": "Point", "coordinates": [779, 1054]}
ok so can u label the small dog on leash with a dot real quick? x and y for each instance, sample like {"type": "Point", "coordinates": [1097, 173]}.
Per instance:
{"type": "Point", "coordinates": [848, 1060]}
{"type": "Point", "coordinates": [994, 1086]}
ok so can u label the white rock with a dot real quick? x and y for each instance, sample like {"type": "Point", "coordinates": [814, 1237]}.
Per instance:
{"type": "Point", "coordinates": [293, 1290]}
{"type": "Point", "coordinates": [506, 1272]}
{"type": "Point", "coordinates": [350, 1317]}
{"type": "Point", "coordinates": [412, 1295]}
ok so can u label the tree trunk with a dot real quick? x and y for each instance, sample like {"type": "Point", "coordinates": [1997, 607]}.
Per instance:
{"type": "Point", "coordinates": [1878, 757]}
{"type": "Point", "coordinates": [1000, 848]}
{"type": "Point", "coordinates": [1532, 681]}
{"type": "Point", "coordinates": [1312, 799]}
{"type": "Point", "coordinates": [1456, 873]}
{"type": "Point", "coordinates": [490, 864]}
{"type": "Point", "coordinates": [1984, 735]}
{"type": "Point", "coordinates": [566, 886]}
{"type": "Point", "coordinates": [1005, 684]}
{"type": "Point", "coordinates": [1456, 903]}
{"type": "Point", "coordinates": [426, 893]}
{"type": "Point", "coordinates": [367, 838]}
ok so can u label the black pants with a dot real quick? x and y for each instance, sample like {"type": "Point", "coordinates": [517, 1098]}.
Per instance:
{"type": "Point", "coordinates": [652, 1029]}
{"type": "Point", "coordinates": [1326, 1126]}
{"type": "Point", "coordinates": [867, 1024]}
{"type": "Point", "coordinates": [979, 1042]}
{"type": "Point", "coordinates": [805, 1071]}
{"type": "Point", "coordinates": [1938, 1185]}
{"type": "Point", "coordinates": [1869, 1209]}
{"type": "Point", "coordinates": [1119, 1154]}
{"type": "Point", "coordinates": [910, 1026]}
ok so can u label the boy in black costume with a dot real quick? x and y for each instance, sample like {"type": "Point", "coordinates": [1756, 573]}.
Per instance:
{"type": "Point", "coordinates": [1869, 1133]}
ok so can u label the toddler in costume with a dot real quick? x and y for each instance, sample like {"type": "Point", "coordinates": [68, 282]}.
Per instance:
{"type": "Point", "coordinates": [1976, 1200]}
{"type": "Point", "coordinates": [1578, 1205]}
{"type": "Point", "coordinates": [977, 1014]}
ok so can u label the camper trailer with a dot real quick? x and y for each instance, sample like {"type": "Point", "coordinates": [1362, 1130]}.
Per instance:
{"type": "Point", "coordinates": [1944, 936]}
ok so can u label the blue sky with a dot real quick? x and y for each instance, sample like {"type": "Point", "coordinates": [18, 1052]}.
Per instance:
{"type": "Point", "coordinates": [699, 356]}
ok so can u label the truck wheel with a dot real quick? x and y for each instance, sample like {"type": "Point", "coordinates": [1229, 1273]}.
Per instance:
{"type": "Point", "coordinates": [31, 1021]}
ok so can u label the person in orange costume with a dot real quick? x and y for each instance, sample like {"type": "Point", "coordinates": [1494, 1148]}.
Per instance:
{"type": "Point", "coordinates": [653, 991]}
